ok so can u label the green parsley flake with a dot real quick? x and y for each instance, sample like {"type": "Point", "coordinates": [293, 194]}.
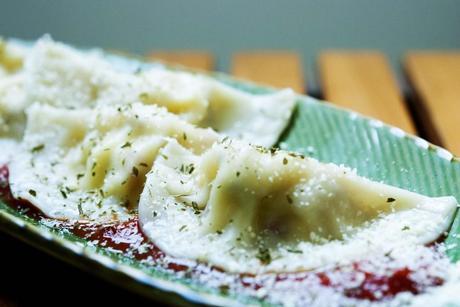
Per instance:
{"type": "Point", "coordinates": [264, 255]}
{"type": "Point", "coordinates": [187, 169]}
{"type": "Point", "coordinates": [127, 144]}
{"type": "Point", "coordinates": [295, 251]}
{"type": "Point", "coordinates": [80, 209]}
{"type": "Point", "coordinates": [63, 194]}
{"type": "Point", "coordinates": [38, 148]}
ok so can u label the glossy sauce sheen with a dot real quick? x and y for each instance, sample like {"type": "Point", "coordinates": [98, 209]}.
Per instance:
{"type": "Point", "coordinates": [352, 281]}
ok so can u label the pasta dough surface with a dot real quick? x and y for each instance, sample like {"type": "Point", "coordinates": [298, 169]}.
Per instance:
{"type": "Point", "coordinates": [91, 163]}
{"type": "Point", "coordinates": [249, 209]}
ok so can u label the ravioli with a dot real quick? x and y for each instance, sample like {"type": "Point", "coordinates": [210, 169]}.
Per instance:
{"type": "Point", "coordinates": [249, 209]}
{"type": "Point", "coordinates": [91, 163]}
{"type": "Point", "coordinates": [12, 102]}
{"type": "Point", "coordinates": [11, 98]}
{"type": "Point", "coordinates": [11, 57]}
{"type": "Point", "coordinates": [12, 105]}
{"type": "Point", "coordinates": [258, 119]}
{"type": "Point", "coordinates": [61, 76]}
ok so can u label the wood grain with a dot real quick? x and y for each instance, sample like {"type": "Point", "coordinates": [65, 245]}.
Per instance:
{"type": "Point", "coordinates": [363, 81]}
{"type": "Point", "coordinates": [275, 68]}
{"type": "Point", "coordinates": [192, 58]}
{"type": "Point", "coordinates": [435, 76]}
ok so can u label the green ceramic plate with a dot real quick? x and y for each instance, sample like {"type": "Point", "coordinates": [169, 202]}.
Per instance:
{"type": "Point", "coordinates": [318, 129]}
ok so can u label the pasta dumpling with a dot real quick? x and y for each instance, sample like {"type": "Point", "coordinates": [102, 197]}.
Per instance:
{"type": "Point", "coordinates": [61, 76]}
{"type": "Point", "coordinates": [12, 102]}
{"type": "Point", "coordinates": [11, 57]}
{"type": "Point", "coordinates": [91, 163]}
{"type": "Point", "coordinates": [259, 119]}
{"type": "Point", "coordinates": [249, 209]}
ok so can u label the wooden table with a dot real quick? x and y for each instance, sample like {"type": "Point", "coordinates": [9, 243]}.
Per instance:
{"type": "Point", "coordinates": [359, 80]}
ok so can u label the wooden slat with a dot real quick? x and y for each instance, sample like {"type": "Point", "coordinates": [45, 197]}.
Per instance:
{"type": "Point", "coordinates": [193, 59]}
{"type": "Point", "coordinates": [363, 81]}
{"type": "Point", "coordinates": [435, 76]}
{"type": "Point", "coordinates": [274, 68]}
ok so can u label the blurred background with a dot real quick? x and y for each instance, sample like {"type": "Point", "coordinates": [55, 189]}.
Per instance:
{"type": "Point", "coordinates": [223, 27]}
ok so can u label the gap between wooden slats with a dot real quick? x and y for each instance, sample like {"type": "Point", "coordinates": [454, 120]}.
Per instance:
{"type": "Point", "coordinates": [363, 81]}
{"type": "Point", "coordinates": [275, 68]}
{"type": "Point", "coordinates": [435, 77]}
{"type": "Point", "coordinates": [194, 59]}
